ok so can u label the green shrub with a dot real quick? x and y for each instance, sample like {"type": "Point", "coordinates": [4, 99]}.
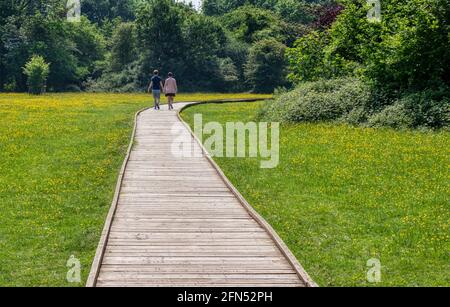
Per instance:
{"type": "Point", "coordinates": [37, 71]}
{"type": "Point", "coordinates": [426, 109]}
{"type": "Point", "coordinates": [10, 86]}
{"type": "Point", "coordinates": [125, 81]}
{"type": "Point", "coordinates": [321, 101]}
{"type": "Point", "coordinates": [352, 101]}
{"type": "Point", "coordinates": [429, 108]}
{"type": "Point", "coordinates": [394, 116]}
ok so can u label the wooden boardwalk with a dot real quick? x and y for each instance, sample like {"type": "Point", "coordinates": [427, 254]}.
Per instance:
{"type": "Point", "coordinates": [176, 221]}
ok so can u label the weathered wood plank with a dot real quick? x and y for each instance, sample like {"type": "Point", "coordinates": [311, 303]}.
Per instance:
{"type": "Point", "coordinates": [195, 269]}
{"type": "Point", "coordinates": [189, 285]}
{"type": "Point", "coordinates": [213, 278]}
{"type": "Point", "coordinates": [196, 236]}
{"type": "Point", "coordinates": [186, 229]}
{"type": "Point", "coordinates": [239, 261]}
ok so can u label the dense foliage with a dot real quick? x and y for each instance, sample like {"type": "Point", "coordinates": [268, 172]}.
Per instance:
{"type": "Point", "coordinates": [325, 100]}
{"type": "Point", "coordinates": [266, 66]}
{"type": "Point", "coordinates": [117, 44]}
{"type": "Point", "coordinates": [101, 11]}
{"type": "Point", "coordinates": [403, 60]}
{"type": "Point", "coordinates": [289, 10]}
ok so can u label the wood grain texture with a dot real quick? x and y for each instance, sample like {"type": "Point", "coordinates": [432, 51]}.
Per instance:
{"type": "Point", "coordinates": [177, 221]}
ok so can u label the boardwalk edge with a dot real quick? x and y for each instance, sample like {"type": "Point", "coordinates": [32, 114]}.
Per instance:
{"type": "Point", "coordinates": [97, 262]}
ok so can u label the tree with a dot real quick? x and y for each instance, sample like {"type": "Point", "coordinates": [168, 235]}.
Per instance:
{"type": "Point", "coordinates": [221, 7]}
{"type": "Point", "coordinates": [36, 27]}
{"type": "Point", "coordinates": [251, 24]}
{"type": "Point", "coordinates": [173, 37]}
{"type": "Point", "coordinates": [123, 49]}
{"type": "Point", "coordinates": [27, 28]}
{"type": "Point", "coordinates": [237, 51]}
{"type": "Point", "coordinates": [14, 55]}
{"type": "Point", "coordinates": [327, 14]}
{"type": "Point", "coordinates": [409, 49]}
{"type": "Point", "coordinates": [266, 67]}
{"type": "Point", "coordinates": [307, 58]}
{"type": "Point", "coordinates": [121, 42]}
{"type": "Point", "coordinates": [89, 47]}
{"type": "Point", "coordinates": [160, 37]}
{"type": "Point", "coordinates": [37, 71]}
{"type": "Point", "coordinates": [99, 11]}
{"type": "Point", "coordinates": [204, 39]}
{"type": "Point", "coordinates": [295, 11]}
{"type": "Point", "coordinates": [51, 37]}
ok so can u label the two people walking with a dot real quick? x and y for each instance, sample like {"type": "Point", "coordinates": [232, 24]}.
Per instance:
{"type": "Point", "coordinates": [169, 88]}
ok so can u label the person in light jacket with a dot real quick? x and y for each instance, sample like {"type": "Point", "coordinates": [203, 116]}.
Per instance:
{"type": "Point", "coordinates": [170, 89]}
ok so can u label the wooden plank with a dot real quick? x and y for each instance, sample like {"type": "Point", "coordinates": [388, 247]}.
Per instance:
{"type": "Point", "coordinates": [185, 214]}
{"type": "Point", "coordinates": [189, 285]}
{"type": "Point", "coordinates": [167, 183]}
{"type": "Point", "coordinates": [190, 248]}
{"type": "Point", "coordinates": [160, 227]}
{"type": "Point", "coordinates": [194, 269]}
{"type": "Point", "coordinates": [182, 213]}
{"type": "Point", "coordinates": [198, 277]}
{"type": "Point", "coordinates": [175, 195]}
{"type": "Point", "coordinates": [172, 178]}
{"type": "Point", "coordinates": [169, 243]}
{"type": "Point", "coordinates": [197, 280]}
{"type": "Point", "coordinates": [166, 253]}
{"type": "Point", "coordinates": [238, 261]}
{"type": "Point", "coordinates": [195, 236]}
{"type": "Point", "coordinates": [134, 213]}
{"type": "Point", "coordinates": [191, 224]}
{"type": "Point", "coordinates": [185, 229]}
{"type": "Point", "coordinates": [149, 206]}
{"type": "Point", "coordinates": [198, 199]}
{"type": "Point", "coordinates": [172, 172]}
{"type": "Point", "coordinates": [186, 221]}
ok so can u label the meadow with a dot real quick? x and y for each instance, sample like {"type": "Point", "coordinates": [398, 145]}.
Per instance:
{"type": "Point", "coordinates": [59, 159]}
{"type": "Point", "coordinates": [342, 195]}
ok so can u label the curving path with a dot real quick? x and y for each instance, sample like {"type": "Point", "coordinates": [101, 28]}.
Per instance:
{"type": "Point", "coordinates": [177, 221]}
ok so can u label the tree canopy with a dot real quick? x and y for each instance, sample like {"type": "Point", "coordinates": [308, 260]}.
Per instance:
{"type": "Point", "coordinates": [118, 43]}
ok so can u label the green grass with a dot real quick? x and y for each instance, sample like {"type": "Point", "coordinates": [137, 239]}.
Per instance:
{"type": "Point", "coordinates": [342, 195]}
{"type": "Point", "coordinates": [59, 159]}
